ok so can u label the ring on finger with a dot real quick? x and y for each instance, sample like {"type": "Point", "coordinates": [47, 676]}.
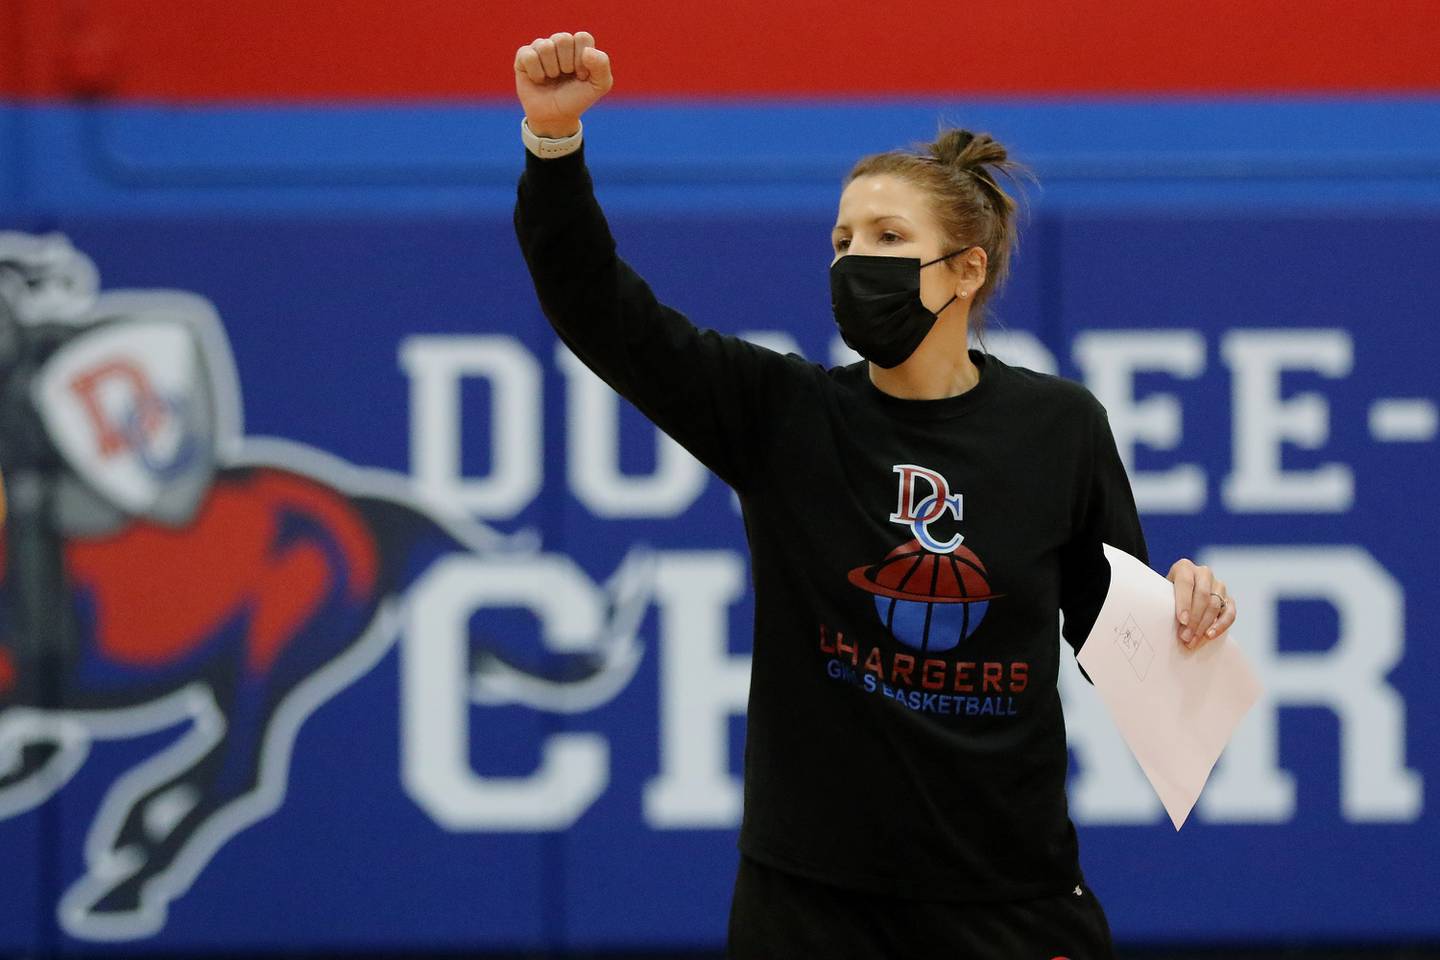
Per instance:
{"type": "Point", "coordinates": [1221, 599]}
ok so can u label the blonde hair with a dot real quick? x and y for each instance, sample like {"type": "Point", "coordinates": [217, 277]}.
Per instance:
{"type": "Point", "coordinates": [959, 171]}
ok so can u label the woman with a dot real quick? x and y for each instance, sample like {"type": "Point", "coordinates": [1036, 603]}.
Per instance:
{"type": "Point", "coordinates": [916, 523]}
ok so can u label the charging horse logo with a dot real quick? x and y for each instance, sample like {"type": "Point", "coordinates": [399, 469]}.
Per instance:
{"type": "Point", "coordinates": [160, 569]}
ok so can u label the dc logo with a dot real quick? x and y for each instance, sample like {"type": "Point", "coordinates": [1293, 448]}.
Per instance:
{"type": "Point", "coordinates": [919, 516]}
{"type": "Point", "coordinates": [929, 594]}
{"type": "Point", "coordinates": [128, 415]}
{"type": "Point", "coordinates": [133, 409]}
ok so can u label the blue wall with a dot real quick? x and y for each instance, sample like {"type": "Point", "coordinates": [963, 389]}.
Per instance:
{"type": "Point", "coordinates": [1293, 154]}
{"type": "Point", "coordinates": [326, 238]}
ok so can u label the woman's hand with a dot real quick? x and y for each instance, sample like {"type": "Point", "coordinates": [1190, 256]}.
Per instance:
{"type": "Point", "coordinates": [1202, 606]}
{"type": "Point", "coordinates": [559, 78]}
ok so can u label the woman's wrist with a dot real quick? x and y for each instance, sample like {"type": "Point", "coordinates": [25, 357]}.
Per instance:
{"type": "Point", "coordinates": [550, 147]}
{"type": "Point", "coordinates": [553, 131]}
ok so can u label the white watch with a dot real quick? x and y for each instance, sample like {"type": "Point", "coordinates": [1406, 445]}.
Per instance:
{"type": "Point", "coordinates": [548, 148]}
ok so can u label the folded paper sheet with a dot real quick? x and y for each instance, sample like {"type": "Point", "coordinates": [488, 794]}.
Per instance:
{"type": "Point", "coordinates": [1175, 707]}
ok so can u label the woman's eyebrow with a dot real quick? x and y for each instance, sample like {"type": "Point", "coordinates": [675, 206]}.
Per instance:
{"type": "Point", "coordinates": [886, 216]}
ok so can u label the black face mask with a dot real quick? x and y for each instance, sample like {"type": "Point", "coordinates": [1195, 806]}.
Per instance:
{"type": "Point", "coordinates": [877, 305]}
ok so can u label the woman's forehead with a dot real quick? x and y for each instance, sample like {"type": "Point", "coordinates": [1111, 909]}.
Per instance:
{"type": "Point", "coordinates": [875, 196]}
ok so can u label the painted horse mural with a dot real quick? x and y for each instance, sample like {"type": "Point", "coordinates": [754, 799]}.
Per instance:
{"type": "Point", "coordinates": [285, 573]}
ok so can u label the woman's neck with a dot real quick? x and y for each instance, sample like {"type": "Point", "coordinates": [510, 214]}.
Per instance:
{"type": "Point", "coordinates": [939, 368]}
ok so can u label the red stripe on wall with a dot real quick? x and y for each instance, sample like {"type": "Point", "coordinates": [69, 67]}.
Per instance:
{"type": "Point", "coordinates": [318, 49]}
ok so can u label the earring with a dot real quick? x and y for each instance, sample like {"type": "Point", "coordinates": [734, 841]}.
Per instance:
{"type": "Point", "coordinates": [964, 293]}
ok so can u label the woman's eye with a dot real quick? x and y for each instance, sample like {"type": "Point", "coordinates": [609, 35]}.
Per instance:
{"type": "Point", "coordinates": [886, 237]}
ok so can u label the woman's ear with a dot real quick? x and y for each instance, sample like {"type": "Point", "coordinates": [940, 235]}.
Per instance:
{"type": "Point", "coordinates": [971, 267]}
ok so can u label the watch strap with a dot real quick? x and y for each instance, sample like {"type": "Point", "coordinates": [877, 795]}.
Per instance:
{"type": "Point", "coordinates": [548, 148]}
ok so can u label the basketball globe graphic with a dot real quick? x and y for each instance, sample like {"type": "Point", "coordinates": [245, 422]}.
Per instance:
{"type": "Point", "coordinates": [928, 601]}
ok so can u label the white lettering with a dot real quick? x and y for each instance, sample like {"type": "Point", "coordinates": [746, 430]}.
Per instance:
{"type": "Point", "coordinates": [436, 365]}
{"type": "Point", "coordinates": [593, 454]}
{"type": "Point", "coordinates": [1349, 678]}
{"type": "Point", "coordinates": [1110, 360]}
{"type": "Point", "coordinates": [574, 768]}
{"type": "Point", "coordinates": [701, 687]}
{"type": "Point", "coordinates": [1263, 422]}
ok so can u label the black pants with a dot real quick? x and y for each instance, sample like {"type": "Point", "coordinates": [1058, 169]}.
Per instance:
{"type": "Point", "coordinates": [779, 916]}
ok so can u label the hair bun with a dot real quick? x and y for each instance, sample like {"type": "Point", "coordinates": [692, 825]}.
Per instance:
{"type": "Point", "coordinates": [950, 146]}
{"type": "Point", "coordinates": [967, 150]}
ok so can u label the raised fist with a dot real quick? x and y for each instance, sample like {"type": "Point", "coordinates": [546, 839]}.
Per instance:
{"type": "Point", "coordinates": [559, 78]}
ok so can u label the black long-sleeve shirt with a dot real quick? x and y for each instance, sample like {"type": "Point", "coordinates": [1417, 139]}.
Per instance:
{"type": "Point", "coordinates": [910, 560]}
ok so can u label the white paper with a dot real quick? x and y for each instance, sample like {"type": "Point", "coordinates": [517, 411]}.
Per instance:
{"type": "Point", "coordinates": [1175, 707]}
